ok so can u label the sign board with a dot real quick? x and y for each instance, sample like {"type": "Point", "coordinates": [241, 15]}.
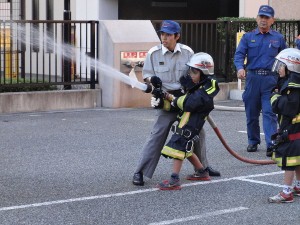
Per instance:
{"type": "Point", "coordinates": [132, 60]}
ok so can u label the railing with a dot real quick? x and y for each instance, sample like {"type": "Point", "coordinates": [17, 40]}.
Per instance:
{"type": "Point", "coordinates": [218, 38]}
{"type": "Point", "coordinates": [34, 53]}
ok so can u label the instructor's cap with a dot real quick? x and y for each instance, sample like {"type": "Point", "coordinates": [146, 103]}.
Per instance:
{"type": "Point", "coordinates": [170, 27]}
{"type": "Point", "coordinates": [266, 10]}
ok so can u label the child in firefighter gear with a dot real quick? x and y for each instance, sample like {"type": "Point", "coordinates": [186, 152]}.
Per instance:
{"type": "Point", "coordinates": [286, 103]}
{"type": "Point", "coordinates": [164, 65]}
{"type": "Point", "coordinates": [194, 106]}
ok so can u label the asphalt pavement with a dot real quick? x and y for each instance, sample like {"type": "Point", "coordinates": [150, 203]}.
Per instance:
{"type": "Point", "coordinates": [76, 167]}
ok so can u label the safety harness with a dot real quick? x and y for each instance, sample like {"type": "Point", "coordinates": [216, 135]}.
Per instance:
{"type": "Point", "coordinates": [186, 133]}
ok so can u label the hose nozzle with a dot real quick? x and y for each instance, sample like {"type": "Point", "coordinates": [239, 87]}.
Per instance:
{"type": "Point", "coordinates": [148, 88]}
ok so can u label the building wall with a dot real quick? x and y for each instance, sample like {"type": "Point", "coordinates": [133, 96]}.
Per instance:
{"type": "Point", "coordinates": [80, 9]}
{"type": "Point", "coordinates": [177, 10]}
{"type": "Point", "coordinates": [249, 8]}
{"type": "Point", "coordinates": [287, 9]}
{"type": "Point", "coordinates": [108, 9]}
{"type": "Point", "coordinates": [85, 9]}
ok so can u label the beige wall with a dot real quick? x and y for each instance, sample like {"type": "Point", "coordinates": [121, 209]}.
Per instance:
{"type": "Point", "coordinates": [249, 8]}
{"type": "Point", "coordinates": [284, 9]}
{"type": "Point", "coordinates": [287, 9]}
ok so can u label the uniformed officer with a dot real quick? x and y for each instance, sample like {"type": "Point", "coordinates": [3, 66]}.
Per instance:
{"type": "Point", "coordinates": [260, 46]}
{"type": "Point", "coordinates": [164, 65]}
{"type": "Point", "coordinates": [298, 42]}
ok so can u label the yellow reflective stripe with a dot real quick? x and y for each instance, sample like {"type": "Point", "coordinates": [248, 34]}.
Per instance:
{"type": "Point", "coordinates": [290, 161]}
{"type": "Point", "coordinates": [176, 154]}
{"type": "Point", "coordinates": [277, 160]}
{"type": "Point", "coordinates": [189, 154]}
{"type": "Point", "coordinates": [296, 119]}
{"type": "Point", "coordinates": [293, 161]}
{"type": "Point", "coordinates": [184, 119]}
{"type": "Point", "coordinates": [291, 84]}
{"type": "Point", "coordinates": [180, 101]}
{"type": "Point", "coordinates": [274, 97]}
{"type": "Point", "coordinates": [167, 105]}
{"type": "Point", "coordinates": [212, 88]}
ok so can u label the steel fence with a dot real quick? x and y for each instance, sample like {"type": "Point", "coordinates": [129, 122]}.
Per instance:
{"type": "Point", "coordinates": [36, 53]}
{"type": "Point", "coordinates": [218, 38]}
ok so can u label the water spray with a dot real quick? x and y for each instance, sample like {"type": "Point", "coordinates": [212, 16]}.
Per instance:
{"type": "Point", "coordinates": [67, 51]}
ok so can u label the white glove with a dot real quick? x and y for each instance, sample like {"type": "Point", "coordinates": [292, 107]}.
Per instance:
{"type": "Point", "coordinates": [154, 102]}
{"type": "Point", "coordinates": [173, 103]}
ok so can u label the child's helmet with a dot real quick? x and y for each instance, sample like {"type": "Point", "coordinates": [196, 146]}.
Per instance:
{"type": "Point", "coordinates": [202, 61]}
{"type": "Point", "coordinates": [289, 57]}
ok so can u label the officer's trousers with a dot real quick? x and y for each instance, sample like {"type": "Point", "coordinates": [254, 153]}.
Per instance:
{"type": "Point", "coordinates": [257, 98]}
{"type": "Point", "coordinates": [152, 149]}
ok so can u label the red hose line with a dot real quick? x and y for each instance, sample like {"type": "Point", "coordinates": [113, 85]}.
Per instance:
{"type": "Point", "coordinates": [232, 152]}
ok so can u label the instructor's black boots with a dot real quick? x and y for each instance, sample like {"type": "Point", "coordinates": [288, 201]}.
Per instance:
{"type": "Point", "coordinates": [252, 148]}
{"type": "Point", "coordinates": [212, 172]}
{"type": "Point", "coordinates": [138, 179]}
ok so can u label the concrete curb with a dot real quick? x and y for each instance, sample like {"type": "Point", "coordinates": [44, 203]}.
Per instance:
{"type": "Point", "coordinates": [41, 101]}
{"type": "Point", "coordinates": [49, 100]}
{"type": "Point", "coordinates": [229, 108]}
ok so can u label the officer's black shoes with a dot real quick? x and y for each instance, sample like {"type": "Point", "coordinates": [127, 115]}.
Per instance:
{"type": "Point", "coordinates": [269, 152]}
{"type": "Point", "coordinates": [212, 172]}
{"type": "Point", "coordinates": [252, 148]}
{"type": "Point", "coordinates": [138, 179]}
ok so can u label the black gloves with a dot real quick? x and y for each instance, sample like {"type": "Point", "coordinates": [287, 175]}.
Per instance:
{"type": "Point", "coordinates": [186, 82]}
{"type": "Point", "coordinates": [156, 82]}
{"type": "Point", "coordinates": [157, 93]}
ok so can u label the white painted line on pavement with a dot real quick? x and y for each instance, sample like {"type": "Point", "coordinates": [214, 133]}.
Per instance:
{"type": "Point", "coordinates": [130, 192]}
{"type": "Point", "coordinates": [75, 200]}
{"type": "Point", "coordinates": [259, 175]}
{"type": "Point", "coordinates": [261, 182]}
{"type": "Point", "coordinates": [197, 217]}
{"type": "Point", "coordinates": [245, 132]}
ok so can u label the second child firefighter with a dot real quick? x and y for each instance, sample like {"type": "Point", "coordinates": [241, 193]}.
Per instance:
{"type": "Point", "coordinates": [286, 103]}
{"type": "Point", "coordinates": [194, 106]}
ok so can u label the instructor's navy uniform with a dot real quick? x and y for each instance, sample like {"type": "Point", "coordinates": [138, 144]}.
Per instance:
{"type": "Point", "coordinates": [260, 50]}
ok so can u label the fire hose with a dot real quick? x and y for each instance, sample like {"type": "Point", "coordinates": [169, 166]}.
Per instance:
{"type": "Point", "coordinates": [149, 89]}
{"type": "Point", "coordinates": [232, 152]}
{"type": "Point", "coordinates": [218, 133]}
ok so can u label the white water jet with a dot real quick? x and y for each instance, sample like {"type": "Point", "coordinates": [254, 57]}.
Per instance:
{"type": "Point", "coordinates": [40, 38]}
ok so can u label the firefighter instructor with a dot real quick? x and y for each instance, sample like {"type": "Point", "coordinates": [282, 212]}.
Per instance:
{"type": "Point", "coordinates": [260, 46]}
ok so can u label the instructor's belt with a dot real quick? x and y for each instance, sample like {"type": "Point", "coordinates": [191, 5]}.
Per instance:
{"type": "Point", "coordinates": [262, 72]}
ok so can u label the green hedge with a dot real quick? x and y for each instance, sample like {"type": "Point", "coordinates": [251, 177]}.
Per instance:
{"type": "Point", "coordinates": [227, 34]}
